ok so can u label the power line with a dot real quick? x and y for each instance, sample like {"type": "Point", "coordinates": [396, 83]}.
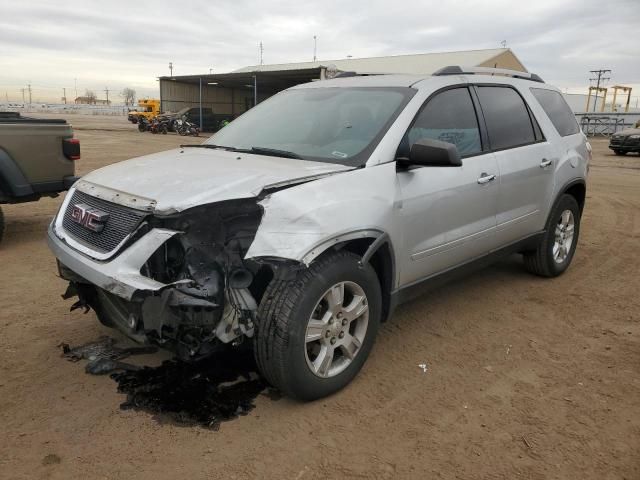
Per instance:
{"type": "Point", "coordinates": [600, 73]}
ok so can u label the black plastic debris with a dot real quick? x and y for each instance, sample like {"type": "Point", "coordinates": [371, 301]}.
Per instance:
{"type": "Point", "coordinates": [103, 355]}
{"type": "Point", "coordinates": [102, 366]}
{"type": "Point", "coordinates": [104, 347]}
{"type": "Point", "coordinates": [206, 393]}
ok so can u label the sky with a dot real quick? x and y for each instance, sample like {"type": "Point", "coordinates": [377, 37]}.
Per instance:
{"type": "Point", "coordinates": [86, 44]}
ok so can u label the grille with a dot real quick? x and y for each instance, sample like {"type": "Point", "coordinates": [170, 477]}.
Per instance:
{"type": "Point", "coordinates": [121, 222]}
{"type": "Point", "coordinates": [615, 140]}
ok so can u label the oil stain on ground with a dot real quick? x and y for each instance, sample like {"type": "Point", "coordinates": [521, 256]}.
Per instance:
{"type": "Point", "coordinates": [206, 393]}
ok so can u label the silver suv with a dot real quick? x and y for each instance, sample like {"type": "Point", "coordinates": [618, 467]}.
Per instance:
{"type": "Point", "coordinates": [303, 223]}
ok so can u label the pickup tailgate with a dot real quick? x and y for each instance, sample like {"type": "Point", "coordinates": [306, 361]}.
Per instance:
{"type": "Point", "coordinates": [38, 147]}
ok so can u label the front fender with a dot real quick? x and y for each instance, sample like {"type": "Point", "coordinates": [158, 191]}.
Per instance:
{"type": "Point", "coordinates": [301, 222]}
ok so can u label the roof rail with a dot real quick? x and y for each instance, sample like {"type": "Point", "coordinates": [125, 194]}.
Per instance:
{"type": "Point", "coordinates": [457, 70]}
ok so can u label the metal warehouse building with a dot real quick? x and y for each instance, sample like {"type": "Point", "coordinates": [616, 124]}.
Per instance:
{"type": "Point", "coordinates": [231, 94]}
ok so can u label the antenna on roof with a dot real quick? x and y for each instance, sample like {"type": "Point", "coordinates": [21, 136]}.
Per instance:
{"type": "Point", "coordinates": [261, 53]}
{"type": "Point", "coordinates": [503, 43]}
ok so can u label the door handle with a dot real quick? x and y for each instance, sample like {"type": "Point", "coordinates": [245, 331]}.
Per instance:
{"type": "Point", "coordinates": [545, 163]}
{"type": "Point", "coordinates": [486, 178]}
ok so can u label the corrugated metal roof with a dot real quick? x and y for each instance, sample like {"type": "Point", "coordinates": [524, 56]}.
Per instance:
{"type": "Point", "coordinates": [423, 63]}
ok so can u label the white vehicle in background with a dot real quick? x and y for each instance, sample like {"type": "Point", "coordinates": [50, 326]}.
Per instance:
{"type": "Point", "coordinates": [302, 224]}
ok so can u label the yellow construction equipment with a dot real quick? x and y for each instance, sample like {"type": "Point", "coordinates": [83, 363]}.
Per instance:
{"type": "Point", "coordinates": [604, 99]}
{"type": "Point", "coordinates": [624, 89]}
{"type": "Point", "coordinates": [148, 108]}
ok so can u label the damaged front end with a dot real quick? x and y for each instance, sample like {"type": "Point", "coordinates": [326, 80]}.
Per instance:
{"type": "Point", "coordinates": [195, 291]}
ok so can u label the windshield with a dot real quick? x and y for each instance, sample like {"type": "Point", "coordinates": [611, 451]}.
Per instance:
{"type": "Point", "coordinates": [336, 125]}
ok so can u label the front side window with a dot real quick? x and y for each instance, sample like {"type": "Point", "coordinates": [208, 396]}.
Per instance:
{"type": "Point", "coordinates": [450, 117]}
{"type": "Point", "coordinates": [336, 125]}
{"type": "Point", "coordinates": [507, 117]}
{"type": "Point", "coordinates": [557, 110]}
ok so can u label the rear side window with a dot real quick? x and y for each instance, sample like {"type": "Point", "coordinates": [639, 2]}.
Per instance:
{"type": "Point", "coordinates": [507, 117]}
{"type": "Point", "coordinates": [557, 110]}
{"type": "Point", "coordinates": [450, 117]}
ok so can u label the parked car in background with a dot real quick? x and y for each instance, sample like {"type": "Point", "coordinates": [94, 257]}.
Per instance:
{"type": "Point", "coordinates": [37, 158]}
{"type": "Point", "coordinates": [303, 223]}
{"type": "Point", "coordinates": [626, 141]}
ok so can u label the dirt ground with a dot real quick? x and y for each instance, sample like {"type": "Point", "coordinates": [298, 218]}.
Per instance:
{"type": "Point", "coordinates": [526, 377]}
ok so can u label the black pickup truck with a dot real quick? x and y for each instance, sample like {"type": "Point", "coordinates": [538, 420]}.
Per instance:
{"type": "Point", "coordinates": [37, 158]}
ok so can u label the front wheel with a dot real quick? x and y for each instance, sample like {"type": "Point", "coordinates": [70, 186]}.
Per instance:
{"type": "Point", "coordinates": [619, 152]}
{"type": "Point", "coordinates": [315, 332]}
{"type": "Point", "coordinates": [558, 245]}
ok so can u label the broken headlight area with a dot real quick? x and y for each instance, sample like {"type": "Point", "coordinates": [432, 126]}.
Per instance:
{"type": "Point", "coordinates": [210, 295]}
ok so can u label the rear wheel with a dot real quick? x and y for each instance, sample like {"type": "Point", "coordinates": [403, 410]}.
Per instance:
{"type": "Point", "coordinates": [315, 332]}
{"type": "Point", "coordinates": [558, 245]}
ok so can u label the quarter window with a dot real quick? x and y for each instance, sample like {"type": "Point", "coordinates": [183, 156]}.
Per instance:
{"type": "Point", "coordinates": [557, 110]}
{"type": "Point", "coordinates": [450, 117]}
{"type": "Point", "coordinates": [507, 117]}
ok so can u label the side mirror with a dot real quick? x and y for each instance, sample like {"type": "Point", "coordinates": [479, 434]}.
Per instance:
{"type": "Point", "coordinates": [433, 153]}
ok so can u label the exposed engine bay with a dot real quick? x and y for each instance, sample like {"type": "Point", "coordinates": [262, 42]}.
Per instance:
{"type": "Point", "coordinates": [211, 295]}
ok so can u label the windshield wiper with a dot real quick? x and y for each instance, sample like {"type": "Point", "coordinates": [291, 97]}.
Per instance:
{"type": "Point", "coordinates": [255, 150]}
{"type": "Point", "coordinates": [275, 152]}
{"type": "Point", "coordinates": [204, 145]}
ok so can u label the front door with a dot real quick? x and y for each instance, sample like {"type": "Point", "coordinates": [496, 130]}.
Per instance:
{"type": "Point", "coordinates": [447, 214]}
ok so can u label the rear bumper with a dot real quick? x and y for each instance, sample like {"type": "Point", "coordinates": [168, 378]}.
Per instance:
{"type": "Point", "coordinates": [119, 276]}
{"type": "Point", "coordinates": [67, 182]}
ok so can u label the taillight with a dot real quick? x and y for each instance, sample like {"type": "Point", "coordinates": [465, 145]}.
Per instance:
{"type": "Point", "coordinates": [71, 148]}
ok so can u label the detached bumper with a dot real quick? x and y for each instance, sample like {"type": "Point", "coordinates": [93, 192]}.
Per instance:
{"type": "Point", "coordinates": [120, 275]}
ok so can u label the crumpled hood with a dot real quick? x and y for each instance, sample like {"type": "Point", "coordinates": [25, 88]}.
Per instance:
{"type": "Point", "coordinates": [179, 179]}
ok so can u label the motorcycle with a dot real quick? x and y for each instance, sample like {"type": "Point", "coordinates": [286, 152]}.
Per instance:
{"type": "Point", "coordinates": [143, 124]}
{"type": "Point", "coordinates": [159, 126]}
{"type": "Point", "coordinates": [185, 128]}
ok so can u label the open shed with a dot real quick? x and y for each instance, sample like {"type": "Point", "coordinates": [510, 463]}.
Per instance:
{"type": "Point", "coordinates": [233, 93]}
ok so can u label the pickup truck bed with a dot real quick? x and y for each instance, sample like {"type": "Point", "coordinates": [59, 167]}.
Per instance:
{"type": "Point", "coordinates": [37, 157]}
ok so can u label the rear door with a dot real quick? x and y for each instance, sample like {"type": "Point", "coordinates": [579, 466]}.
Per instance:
{"type": "Point", "coordinates": [447, 214]}
{"type": "Point", "coordinates": [525, 162]}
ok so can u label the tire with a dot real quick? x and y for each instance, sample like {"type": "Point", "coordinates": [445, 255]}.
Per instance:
{"type": "Point", "coordinates": [1, 224]}
{"type": "Point", "coordinates": [283, 351]}
{"type": "Point", "coordinates": [619, 152]}
{"type": "Point", "coordinates": [548, 260]}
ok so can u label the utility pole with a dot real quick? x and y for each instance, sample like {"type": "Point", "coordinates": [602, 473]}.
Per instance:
{"type": "Point", "coordinates": [171, 69]}
{"type": "Point", "coordinates": [75, 83]}
{"type": "Point", "coordinates": [106, 90]}
{"type": "Point", "coordinates": [600, 73]}
{"type": "Point", "coordinates": [22, 90]}
{"type": "Point", "coordinates": [64, 94]}
{"type": "Point", "coordinates": [261, 53]}
{"type": "Point", "coordinates": [315, 47]}
{"type": "Point", "coordinates": [29, 88]}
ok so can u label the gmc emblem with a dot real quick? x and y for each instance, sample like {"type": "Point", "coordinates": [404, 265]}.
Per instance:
{"type": "Point", "coordinates": [89, 217]}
